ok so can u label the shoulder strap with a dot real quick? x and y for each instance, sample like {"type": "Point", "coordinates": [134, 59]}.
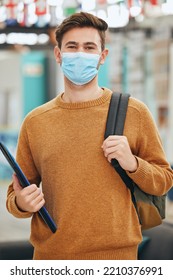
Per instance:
{"type": "Point", "coordinates": [116, 117]}
{"type": "Point", "coordinates": [112, 114]}
{"type": "Point", "coordinates": [116, 114]}
{"type": "Point", "coordinates": [121, 114]}
{"type": "Point", "coordinates": [115, 125]}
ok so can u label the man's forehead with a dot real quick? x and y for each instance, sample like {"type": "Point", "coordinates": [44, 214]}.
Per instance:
{"type": "Point", "coordinates": [82, 35]}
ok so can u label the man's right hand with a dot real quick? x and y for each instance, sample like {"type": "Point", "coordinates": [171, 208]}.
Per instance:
{"type": "Point", "coordinates": [29, 199]}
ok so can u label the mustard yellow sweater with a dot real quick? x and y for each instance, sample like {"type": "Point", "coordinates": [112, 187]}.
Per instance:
{"type": "Point", "coordinates": [60, 146]}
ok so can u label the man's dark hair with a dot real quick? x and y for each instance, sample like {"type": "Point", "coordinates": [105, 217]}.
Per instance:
{"type": "Point", "coordinates": [81, 20]}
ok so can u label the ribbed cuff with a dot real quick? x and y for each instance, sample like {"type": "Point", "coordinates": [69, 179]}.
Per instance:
{"type": "Point", "coordinates": [141, 175]}
{"type": "Point", "coordinates": [15, 211]}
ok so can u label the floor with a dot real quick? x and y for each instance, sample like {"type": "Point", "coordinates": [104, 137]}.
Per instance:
{"type": "Point", "coordinates": [13, 229]}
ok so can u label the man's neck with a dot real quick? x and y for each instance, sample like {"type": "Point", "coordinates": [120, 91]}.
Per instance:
{"type": "Point", "coordinates": [74, 94]}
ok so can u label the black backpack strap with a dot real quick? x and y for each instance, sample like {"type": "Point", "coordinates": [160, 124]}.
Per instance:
{"type": "Point", "coordinates": [116, 114]}
{"type": "Point", "coordinates": [121, 114]}
{"type": "Point", "coordinates": [112, 114]}
{"type": "Point", "coordinates": [115, 125]}
{"type": "Point", "coordinates": [116, 117]}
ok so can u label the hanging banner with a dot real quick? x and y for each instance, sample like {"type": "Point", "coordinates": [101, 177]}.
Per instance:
{"type": "Point", "coordinates": [11, 6]}
{"type": "Point", "coordinates": [70, 7]}
{"type": "Point", "coordinates": [40, 7]}
{"type": "Point", "coordinates": [41, 11]}
{"type": "Point", "coordinates": [130, 3]}
{"type": "Point", "coordinates": [101, 2]}
{"type": "Point", "coordinates": [154, 2]}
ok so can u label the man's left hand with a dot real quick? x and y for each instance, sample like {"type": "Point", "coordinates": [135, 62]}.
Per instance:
{"type": "Point", "coordinates": [117, 147]}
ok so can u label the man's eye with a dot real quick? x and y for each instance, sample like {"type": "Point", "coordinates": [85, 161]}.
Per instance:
{"type": "Point", "coordinates": [71, 47]}
{"type": "Point", "coordinates": [90, 49]}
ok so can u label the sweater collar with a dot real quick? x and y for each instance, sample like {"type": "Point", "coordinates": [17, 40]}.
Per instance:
{"type": "Point", "coordinates": [82, 105]}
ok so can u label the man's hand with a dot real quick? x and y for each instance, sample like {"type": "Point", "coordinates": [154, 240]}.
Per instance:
{"type": "Point", "coordinates": [29, 199]}
{"type": "Point", "coordinates": [117, 147]}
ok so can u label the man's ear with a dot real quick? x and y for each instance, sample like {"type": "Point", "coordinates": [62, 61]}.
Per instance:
{"type": "Point", "coordinates": [57, 54]}
{"type": "Point", "coordinates": [103, 56]}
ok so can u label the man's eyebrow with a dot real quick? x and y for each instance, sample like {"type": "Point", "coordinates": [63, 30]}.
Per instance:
{"type": "Point", "coordinates": [76, 43]}
{"type": "Point", "coordinates": [71, 43]}
{"type": "Point", "coordinates": [90, 43]}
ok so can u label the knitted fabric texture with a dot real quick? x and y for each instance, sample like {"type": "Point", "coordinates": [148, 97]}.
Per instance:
{"type": "Point", "coordinates": [59, 146]}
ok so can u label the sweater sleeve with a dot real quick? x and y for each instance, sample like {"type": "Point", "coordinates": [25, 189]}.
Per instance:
{"type": "Point", "coordinates": [154, 174]}
{"type": "Point", "coordinates": [25, 160]}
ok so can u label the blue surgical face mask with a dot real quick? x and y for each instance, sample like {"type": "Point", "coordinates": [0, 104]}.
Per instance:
{"type": "Point", "coordinates": [79, 67]}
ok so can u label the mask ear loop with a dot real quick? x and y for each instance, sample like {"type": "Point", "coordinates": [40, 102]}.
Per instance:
{"type": "Point", "coordinates": [60, 58]}
{"type": "Point", "coordinates": [104, 56]}
{"type": "Point", "coordinates": [98, 65]}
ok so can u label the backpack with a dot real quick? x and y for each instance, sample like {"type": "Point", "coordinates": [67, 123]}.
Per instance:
{"type": "Point", "coordinates": [150, 208]}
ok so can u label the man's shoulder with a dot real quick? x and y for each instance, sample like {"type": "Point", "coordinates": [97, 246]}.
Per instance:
{"type": "Point", "coordinates": [139, 111]}
{"type": "Point", "coordinates": [133, 103]}
{"type": "Point", "coordinates": [42, 110]}
{"type": "Point", "coordinates": [137, 105]}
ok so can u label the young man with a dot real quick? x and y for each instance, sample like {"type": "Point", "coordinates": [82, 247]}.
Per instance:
{"type": "Point", "coordinates": [61, 145]}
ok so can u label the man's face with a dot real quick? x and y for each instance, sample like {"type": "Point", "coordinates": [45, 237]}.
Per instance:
{"type": "Point", "coordinates": [86, 39]}
{"type": "Point", "coordinates": [81, 40]}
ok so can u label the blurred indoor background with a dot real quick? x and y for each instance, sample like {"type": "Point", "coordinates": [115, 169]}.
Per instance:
{"type": "Point", "coordinates": [140, 62]}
